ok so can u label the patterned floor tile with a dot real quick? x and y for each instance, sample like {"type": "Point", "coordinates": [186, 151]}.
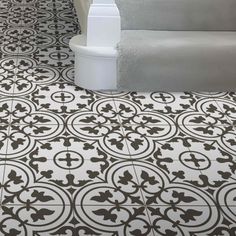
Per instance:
{"type": "Point", "coordinates": [229, 214]}
{"type": "Point", "coordinates": [21, 186]}
{"type": "Point", "coordinates": [33, 220]}
{"type": "Point", "coordinates": [184, 221]}
{"type": "Point", "coordinates": [15, 16]}
{"type": "Point", "coordinates": [159, 188]}
{"type": "Point", "coordinates": [183, 171]}
{"type": "Point", "coordinates": [101, 113]}
{"type": "Point", "coordinates": [228, 108]}
{"type": "Point", "coordinates": [222, 136]}
{"type": "Point", "coordinates": [8, 66]}
{"type": "Point", "coordinates": [7, 84]}
{"type": "Point", "coordinates": [76, 100]}
{"type": "Point", "coordinates": [129, 104]}
{"type": "Point", "coordinates": [68, 74]}
{"type": "Point", "coordinates": [32, 139]}
{"type": "Point", "coordinates": [172, 105]}
{"type": "Point", "coordinates": [144, 141]}
{"type": "Point", "coordinates": [110, 197]}
{"type": "Point", "coordinates": [80, 162]}
{"type": "Point", "coordinates": [212, 149]}
{"type": "Point", "coordinates": [10, 41]}
{"type": "Point", "coordinates": [4, 133]}
{"type": "Point", "coordinates": [2, 169]}
{"type": "Point", "coordinates": [229, 96]}
{"type": "Point", "coordinates": [48, 56]}
{"type": "Point", "coordinates": [205, 112]}
{"type": "Point", "coordinates": [114, 220]}
{"type": "Point", "coordinates": [119, 186]}
{"type": "Point", "coordinates": [26, 112]}
{"type": "Point", "coordinates": [131, 113]}
{"type": "Point", "coordinates": [23, 2]}
{"type": "Point", "coordinates": [8, 71]}
{"type": "Point", "coordinates": [27, 41]}
{"type": "Point", "coordinates": [98, 144]}
{"type": "Point", "coordinates": [48, 98]}
{"type": "Point", "coordinates": [219, 179]}
{"type": "Point", "coordinates": [91, 176]}
{"type": "Point", "coordinates": [5, 111]}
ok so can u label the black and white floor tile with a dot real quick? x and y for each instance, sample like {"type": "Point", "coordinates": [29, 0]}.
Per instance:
{"type": "Point", "coordinates": [77, 162]}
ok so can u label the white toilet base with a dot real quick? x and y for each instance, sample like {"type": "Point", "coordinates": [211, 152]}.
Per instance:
{"type": "Point", "coordinates": [95, 67]}
{"type": "Point", "coordinates": [95, 50]}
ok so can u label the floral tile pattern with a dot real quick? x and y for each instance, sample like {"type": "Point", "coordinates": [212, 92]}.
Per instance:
{"type": "Point", "coordinates": [78, 162]}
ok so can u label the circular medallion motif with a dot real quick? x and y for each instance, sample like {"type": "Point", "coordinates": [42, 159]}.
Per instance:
{"type": "Point", "coordinates": [195, 160]}
{"type": "Point", "coordinates": [62, 97]}
{"type": "Point", "coordinates": [68, 160]}
{"type": "Point", "coordinates": [162, 97]}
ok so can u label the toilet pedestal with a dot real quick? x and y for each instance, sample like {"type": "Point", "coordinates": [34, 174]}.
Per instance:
{"type": "Point", "coordinates": [95, 53]}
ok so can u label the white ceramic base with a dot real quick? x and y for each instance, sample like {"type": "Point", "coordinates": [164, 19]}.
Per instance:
{"type": "Point", "coordinates": [95, 53]}
{"type": "Point", "coordinates": [95, 67]}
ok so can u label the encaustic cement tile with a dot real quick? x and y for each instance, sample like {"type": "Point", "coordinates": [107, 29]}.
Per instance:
{"type": "Point", "coordinates": [80, 162]}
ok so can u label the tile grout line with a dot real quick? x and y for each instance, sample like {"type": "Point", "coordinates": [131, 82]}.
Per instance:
{"type": "Point", "coordinates": [135, 172]}
{"type": "Point", "coordinates": [11, 109]}
{"type": "Point", "coordinates": [73, 205]}
{"type": "Point", "coordinates": [217, 104]}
